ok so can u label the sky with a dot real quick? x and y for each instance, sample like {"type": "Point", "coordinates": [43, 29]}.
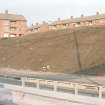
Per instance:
{"type": "Point", "coordinates": [50, 10]}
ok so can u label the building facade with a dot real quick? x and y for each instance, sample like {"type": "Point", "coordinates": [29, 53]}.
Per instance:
{"type": "Point", "coordinates": [12, 25]}
{"type": "Point", "coordinates": [83, 21]}
{"type": "Point", "coordinates": [44, 27]}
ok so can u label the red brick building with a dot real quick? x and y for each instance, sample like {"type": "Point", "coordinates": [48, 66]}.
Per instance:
{"type": "Point", "coordinates": [44, 27]}
{"type": "Point", "coordinates": [83, 21]}
{"type": "Point", "coordinates": [12, 25]}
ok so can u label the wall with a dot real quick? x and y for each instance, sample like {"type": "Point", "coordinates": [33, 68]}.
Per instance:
{"type": "Point", "coordinates": [12, 28]}
{"type": "Point", "coordinates": [4, 27]}
{"type": "Point", "coordinates": [21, 27]}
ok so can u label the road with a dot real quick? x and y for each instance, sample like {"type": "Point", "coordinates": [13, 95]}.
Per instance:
{"type": "Point", "coordinates": [28, 99]}
{"type": "Point", "coordinates": [5, 97]}
{"type": "Point", "coordinates": [60, 77]}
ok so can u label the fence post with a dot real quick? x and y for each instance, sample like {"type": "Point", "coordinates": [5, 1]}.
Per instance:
{"type": "Point", "coordinates": [55, 86]}
{"type": "Point", "coordinates": [76, 89]}
{"type": "Point", "coordinates": [100, 92]}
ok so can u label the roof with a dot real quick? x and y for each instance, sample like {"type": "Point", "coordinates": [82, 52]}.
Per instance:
{"type": "Point", "coordinates": [81, 19]}
{"type": "Point", "coordinates": [73, 20]}
{"type": "Point", "coordinates": [13, 17]}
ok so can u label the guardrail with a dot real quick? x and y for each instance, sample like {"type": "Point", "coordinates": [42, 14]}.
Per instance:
{"type": "Point", "coordinates": [65, 85]}
{"type": "Point", "coordinates": [88, 93]}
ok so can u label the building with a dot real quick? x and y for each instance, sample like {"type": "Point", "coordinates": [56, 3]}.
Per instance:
{"type": "Point", "coordinates": [12, 25]}
{"type": "Point", "coordinates": [83, 21]}
{"type": "Point", "coordinates": [44, 27]}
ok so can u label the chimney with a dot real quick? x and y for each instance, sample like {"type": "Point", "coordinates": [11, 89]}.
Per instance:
{"type": "Point", "coordinates": [59, 19]}
{"type": "Point", "coordinates": [6, 11]}
{"type": "Point", "coordinates": [44, 22]}
{"type": "Point", "coordinates": [97, 13]}
{"type": "Point", "coordinates": [71, 17]}
{"type": "Point", "coordinates": [37, 24]}
{"type": "Point", "coordinates": [82, 15]}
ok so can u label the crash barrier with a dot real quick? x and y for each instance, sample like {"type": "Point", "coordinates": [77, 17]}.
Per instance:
{"type": "Point", "coordinates": [79, 92]}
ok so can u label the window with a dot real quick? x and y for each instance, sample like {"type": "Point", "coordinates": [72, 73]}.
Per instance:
{"type": "Point", "coordinates": [90, 22]}
{"type": "Point", "coordinates": [12, 28]}
{"type": "Point", "coordinates": [13, 23]}
{"type": "Point", "coordinates": [78, 23]}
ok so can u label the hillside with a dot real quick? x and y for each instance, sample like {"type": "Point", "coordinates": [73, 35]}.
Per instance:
{"type": "Point", "coordinates": [68, 51]}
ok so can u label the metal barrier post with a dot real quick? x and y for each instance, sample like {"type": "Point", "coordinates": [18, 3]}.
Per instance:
{"type": "Point", "coordinates": [76, 89]}
{"type": "Point", "coordinates": [38, 84]}
{"type": "Point", "coordinates": [100, 92]}
{"type": "Point", "coordinates": [23, 81]}
{"type": "Point", "coordinates": [55, 86]}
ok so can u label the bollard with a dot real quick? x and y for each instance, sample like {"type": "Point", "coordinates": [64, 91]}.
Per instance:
{"type": "Point", "coordinates": [76, 89]}
{"type": "Point", "coordinates": [100, 92]}
{"type": "Point", "coordinates": [55, 86]}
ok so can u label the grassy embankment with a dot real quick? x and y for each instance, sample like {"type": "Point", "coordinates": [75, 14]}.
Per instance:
{"type": "Point", "coordinates": [81, 50]}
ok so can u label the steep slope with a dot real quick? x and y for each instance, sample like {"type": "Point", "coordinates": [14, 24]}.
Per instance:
{"type": "Point", "coordinates": [65, 51]}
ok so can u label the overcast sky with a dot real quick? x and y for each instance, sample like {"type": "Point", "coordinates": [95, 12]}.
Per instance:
{"type": "Point", "coordinates": [40, 10]}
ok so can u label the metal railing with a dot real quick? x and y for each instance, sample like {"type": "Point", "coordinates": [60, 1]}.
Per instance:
{"type": "Point", "coordinates": [66, 90]}
{"type": "Point", "coordinates": [77, 88]}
